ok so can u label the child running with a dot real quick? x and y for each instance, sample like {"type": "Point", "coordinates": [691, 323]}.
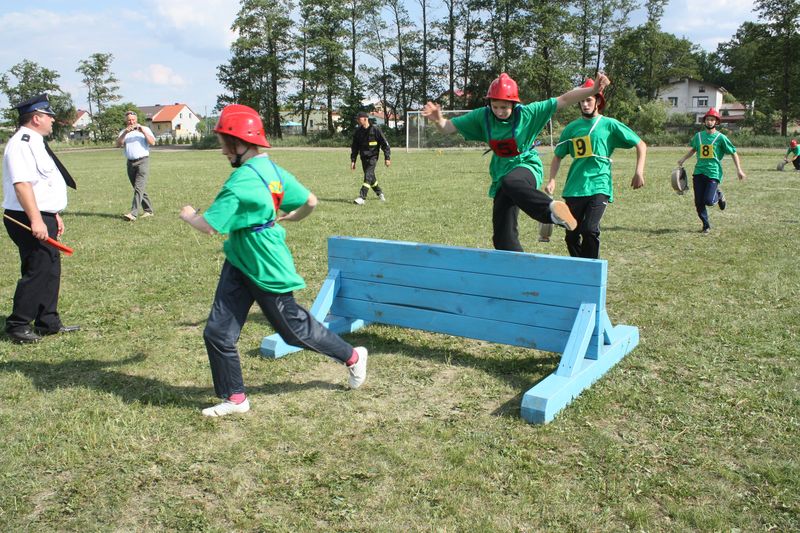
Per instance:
{"type": "Point", "coordinates": [711, 146]}
{"type": "Point", "coordinates": [258, 264]}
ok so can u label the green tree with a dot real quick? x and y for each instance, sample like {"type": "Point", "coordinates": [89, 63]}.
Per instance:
{"type": "Point", "coordinates": [25, 80]}
{"type": "Point", "coordinates": [260, 56]}
{"type": "Point", "coordinates": [102, 90]}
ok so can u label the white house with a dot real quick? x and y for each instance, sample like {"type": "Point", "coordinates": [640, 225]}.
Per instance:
{"type": "Point", "coordinates": [689, 95]}
{"type": "Point", "coordinates": [82, 121]}
{"type": "Point", "coordinates": [176, 120]}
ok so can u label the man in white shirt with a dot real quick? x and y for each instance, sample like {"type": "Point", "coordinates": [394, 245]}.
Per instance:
{"type": "Point", "coordinates": [137, 140]}
{"type": "Point", "coordinates": [34, 193]}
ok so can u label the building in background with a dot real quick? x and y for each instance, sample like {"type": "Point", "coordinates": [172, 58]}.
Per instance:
{"type": "Point", "coordinates": [176, 120]}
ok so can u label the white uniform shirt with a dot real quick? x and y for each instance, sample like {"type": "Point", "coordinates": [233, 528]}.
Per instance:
{"type": "Point", "coordinates": [26, 160]}
{"type": "Point", "coordinates": [135, 143]}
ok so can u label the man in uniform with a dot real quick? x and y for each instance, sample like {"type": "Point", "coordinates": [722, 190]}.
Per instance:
{"type": "Point", "coordinates": [137, 140]}
{"type": "Point", "coordinates": [368, 140]}
{"type": "Point", "coordinates": [34, 193]}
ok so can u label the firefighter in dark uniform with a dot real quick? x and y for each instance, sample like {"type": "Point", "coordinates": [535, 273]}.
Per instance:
{"type": "Point", "coordinates": [34, 193]}
{"type": "Point", "coordinates": [368, 140]}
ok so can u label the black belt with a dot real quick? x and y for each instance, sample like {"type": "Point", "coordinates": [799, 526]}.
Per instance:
{"type": "Point", "coordinates": [136, 160]}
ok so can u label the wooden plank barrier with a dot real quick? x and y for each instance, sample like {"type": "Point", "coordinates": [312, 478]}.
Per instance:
{"type": "Point", "coordinates": [550, 303]}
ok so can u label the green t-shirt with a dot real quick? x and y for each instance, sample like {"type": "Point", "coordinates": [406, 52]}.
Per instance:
{"type": "Point", "coordinates": [711, 148]}
{"type": "Point", "coordinates": [591, 142]}
{"type": "Point", "coordinates": [245, 201]}
{"type": "Point", "coordinates": [530, 119]}
{"type": "Point", "coordinates": [791, 152]}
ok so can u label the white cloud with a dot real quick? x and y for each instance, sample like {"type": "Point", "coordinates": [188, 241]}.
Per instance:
{"type": "Point", "coordinates": [159, 75]}
{"type": "Point", "coordinates": [196, 24]}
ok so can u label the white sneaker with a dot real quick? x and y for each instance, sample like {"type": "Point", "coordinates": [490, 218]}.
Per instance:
{"type": "Point", "coordinates": [227, 408]}
{"type": "Point", "coordinates": [562, 216]}
{"type": "Point", "coordinates": [381, 197]}
{"type": "Point", "coordinates": [359, 201]}
{"type": "Point", "coordinates": [358, 372]}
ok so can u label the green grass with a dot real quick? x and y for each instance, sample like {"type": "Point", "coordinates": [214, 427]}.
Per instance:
{"type": "Point", "coordinates": [696, 429]}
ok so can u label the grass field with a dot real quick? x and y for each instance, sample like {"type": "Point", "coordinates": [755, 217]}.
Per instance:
{"type": "Point", "coordinates": [696, 429]}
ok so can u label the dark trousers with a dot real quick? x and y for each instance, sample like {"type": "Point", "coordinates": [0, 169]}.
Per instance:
{"type": "Point", "coordinates": [232, 301]}
{"type": "Point", "coordinates": [368, 165]}
{"type": "Point", "coordinates": [796, 163]}
{"type": "Point", "coordinates": [587, 210]}
{"type": "Point", "coordinates": [705, 194]}
{"type": "Point", "coordinates": [36, 297]}
{"type": "Point", "coordinates": [517, 191]}
{"type": "Point", "coordinates": [138, 170]}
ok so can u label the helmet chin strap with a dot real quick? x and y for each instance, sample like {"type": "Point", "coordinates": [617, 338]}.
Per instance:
{"type": "Point", "coordinates": [236, 163]}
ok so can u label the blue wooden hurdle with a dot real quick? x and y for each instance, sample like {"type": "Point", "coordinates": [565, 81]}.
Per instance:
{"type": "Point", "coordinates": [550, 303]}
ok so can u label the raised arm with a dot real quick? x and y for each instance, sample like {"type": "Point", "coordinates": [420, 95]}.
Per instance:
{"type": "Point", "coordinates": [433, 112]}
{"type": "Point", "coordinates": [581, 93]}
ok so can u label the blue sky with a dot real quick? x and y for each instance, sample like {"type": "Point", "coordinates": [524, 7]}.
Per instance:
{"type": "Point", "coordinates": [168, 51]}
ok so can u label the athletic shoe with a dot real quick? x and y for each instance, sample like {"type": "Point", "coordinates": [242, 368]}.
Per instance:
{"type": "Point", "coordinates": [562, 216]}
{"type": "Point", "coordinates": [129, 217]}
{"type": "Point", "coordinates": [227, 408]}
{"type": "Point", "coordinates": [381, 197]}
{"type": "Point", "coordinates": [358, 371]}
{"type": "Point", "coordinates": [722, 203]}
{"type": "Point", "coordinates": [705, 231]}
{"type": "Point", "coordinates": [359, 201]}
{"type": "Point", "coordinates": [147, 214]}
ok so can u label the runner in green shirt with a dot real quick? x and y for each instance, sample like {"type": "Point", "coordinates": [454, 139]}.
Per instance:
{"type": "Point", "coordinates": [710, 146]}
{"type": "Point", "coordinates": [793, 154]}
{"type": "Point", "coordinates": [590, 141]}
{"type": "Point", "coordinates": [258, 264]}
{"type": "Point", "coordinates": [510, 129]}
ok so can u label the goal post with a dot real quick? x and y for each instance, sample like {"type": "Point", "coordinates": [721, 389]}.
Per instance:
{"type": "Point", "coordinates": [422, 134]}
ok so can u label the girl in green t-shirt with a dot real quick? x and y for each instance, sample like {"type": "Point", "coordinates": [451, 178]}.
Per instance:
{"type": "Point", "coordinates": [258, 265]}
{"type": "Point", "coordinates": [710, 146]}
{"type": "Point", "coordinates": [510, 129]}
{"type": "Point", "coordinates": [591, 140]}
{"type": "Point", "coordinates": [793, 154]}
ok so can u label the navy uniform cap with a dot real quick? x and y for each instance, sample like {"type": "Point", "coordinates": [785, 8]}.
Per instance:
{"type": "Point", "coordinates": [38, 103]}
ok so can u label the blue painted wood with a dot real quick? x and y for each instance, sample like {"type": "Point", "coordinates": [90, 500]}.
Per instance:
{"type": "Point", "coordinates": [501, 263]}
{"type": "Point", "coordinates": [549, 303]}
{"type": "Point", "coordinates": [578, 341]}
{"type": "Point", "coordinates": [541, 403]}
{"type": "Point", "coordinates": [459, 282]}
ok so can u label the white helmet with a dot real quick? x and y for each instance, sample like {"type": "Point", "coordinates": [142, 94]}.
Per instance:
{"type": "Point", "coordinates": [679, 181]}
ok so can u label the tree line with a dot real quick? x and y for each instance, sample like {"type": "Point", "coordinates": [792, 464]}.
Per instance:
{"type": "Point", "coordinates": [305, 55]}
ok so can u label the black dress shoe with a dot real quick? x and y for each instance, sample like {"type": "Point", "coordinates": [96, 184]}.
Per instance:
{"type": "Point", "coordinates": [24, 336]}
{"type": "Point", "coordinates": [62, 329]}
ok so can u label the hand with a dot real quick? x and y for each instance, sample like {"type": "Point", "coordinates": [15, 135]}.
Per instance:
{"type": "Point", "coordinates": [680, 163]}
{"type": "Point", "coordinates": [550, 187]}
{"type": "Point", "coordinates": [741, 174]}
{"type": "Point", "coordinates": [388, 162]}
{"type": "Point", "coordinates": [187, 212]}
{"type": "Point", "coordinates": [352, 165]}
{"type": "Point", "coordinates": [432, 111]}
{"type": "Point", "coordinates": [601, 81]}
{"type": "Point", "coordinates": [638, 181]}
{"type": "Point", "coordinates": [39, 230]}
{"type": "Point", "coordinates": [286, 217]}
{"type": "Point", "coordinates": [60, 222]}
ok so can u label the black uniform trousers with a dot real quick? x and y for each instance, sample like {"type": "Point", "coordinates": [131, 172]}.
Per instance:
{"type": "Point", "coordinates": [36, 297]}
{"type": "Point", "coordinates": [517, 191]}
{"type": "Point", "coordinates": [588, 210]}
{"type": "Point", "coordinates": [368, 164]}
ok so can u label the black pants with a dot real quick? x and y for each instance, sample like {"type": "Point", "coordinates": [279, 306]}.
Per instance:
{"type": "Point", "coordinates": [36, 297]}
{"type": "Point", "coordinates": [368, 164]}
{"type": "Point", "coordinates": [232, 302]}
{"type": "Point", "coordinates": [517, 191]}
{"type": "Point", "coordinates": [587, 210]}
{"type": "Point", "coordinates": [796, 163]}
{"type": "Point", "coordinates": [706, 193]}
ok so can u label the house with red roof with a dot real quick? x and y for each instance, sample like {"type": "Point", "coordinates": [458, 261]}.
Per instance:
{"type": "Point", "coordinates": [175, 120]}
{"type": "Point", "coordinates": [80, 126]}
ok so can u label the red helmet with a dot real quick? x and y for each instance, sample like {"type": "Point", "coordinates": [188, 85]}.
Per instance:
{"type": "Point", "coordinates": [793, 143]}
{"type": "Point", "coordinates": [713, 113]}
{"type": "Point", "coordinates": [503, 88]}
{"type": "Point", "coordinates": [243, 123]}
{"type": "Point", "coordinates": [601, 100]}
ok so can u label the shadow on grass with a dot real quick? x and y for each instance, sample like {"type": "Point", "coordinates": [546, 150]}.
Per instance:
{"type": "Point", "coordinates": [96, 375]}
{"type": "Point", "coordinates": [337, 200]}
{"type": "Point", "coordinates": [651, 231]}
{"type": "Point", "coordinates": [97, 215]}
{"type": "Point", "coordinates": [520, 373]}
